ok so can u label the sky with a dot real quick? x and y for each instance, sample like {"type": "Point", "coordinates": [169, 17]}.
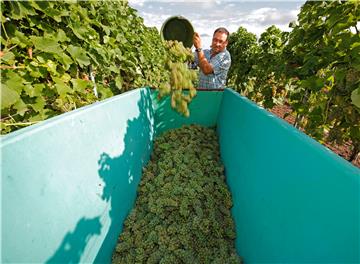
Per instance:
{"type": "Point", "coordinates": [206, 16]}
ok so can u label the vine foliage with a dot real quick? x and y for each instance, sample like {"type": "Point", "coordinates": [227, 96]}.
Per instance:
{"type": "Point", "coordinates": [57, 56]}
{"type": "Point", "coordinates": [315, 69]}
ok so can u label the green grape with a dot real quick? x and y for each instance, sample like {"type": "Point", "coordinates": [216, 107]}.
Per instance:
{"type": "Point", "coordinates": [185, 217]}
{"type": "Point", "coordinates": [181, 78]}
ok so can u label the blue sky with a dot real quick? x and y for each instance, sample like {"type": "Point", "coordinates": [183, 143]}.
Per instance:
{"type": "Point", "coordinates": [206, 16]}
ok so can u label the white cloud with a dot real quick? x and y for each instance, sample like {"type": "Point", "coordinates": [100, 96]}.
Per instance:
{"type": "Point", "coordinates": [206, 16]}
{"type": "Point", "coordinates": [267, 16]}
{"type": "Point", "coordinates": [136, 2]}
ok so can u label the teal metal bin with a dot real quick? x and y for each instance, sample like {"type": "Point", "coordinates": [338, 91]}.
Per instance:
{"type": "Point", "coordinates": [69, 182]}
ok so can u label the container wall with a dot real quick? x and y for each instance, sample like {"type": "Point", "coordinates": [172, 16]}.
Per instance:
{"type": "Point", "coordinates": [294, 200]}
{"type": "Point", "coordinates": [204, 109]}
{"type": "Point", "coordinates": [69, 182]}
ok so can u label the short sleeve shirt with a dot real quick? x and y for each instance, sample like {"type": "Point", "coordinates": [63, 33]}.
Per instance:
{"type": "Point", "coordinates": [221, 63]}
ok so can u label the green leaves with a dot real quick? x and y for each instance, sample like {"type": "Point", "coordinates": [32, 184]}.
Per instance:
{"type": "Point", "coordinates": [20, 10]}
{"type": "Point", "coordinates": [20, 39]}
{"type": "Point", "coordinates": [34, 90]}
{"type": "Point", "coordinates": [320, 60]}
{"type": "Point", "coordinates": [60, 36]}
{"type": "Point", "coordinates": [118, 82]}
{"type": "Point", "coordinates": [8, 96]}
{"type": "Point", "coordinates": [355, 97]}
{"type": "Point", "coordinates": [14, 82]}
{"type": "Point", "coordinates": [61, 87]}
{"type": "Point", "coordinates": [46, 44]}
{"type": "Point", "coordinates": [78, 54]}
{"type": "Point", "coordinates": [8, 58]}
{"type": "Point", "coordinates": [80, 85]}
{"type": "Point", "coordinates": [20, 107]}
{"type": "Point", "coordinates": [257, 65]}
{"type": "Point", "coordinates": [312, 83]}
{"type": "Point", "coordinates": [39, 105]}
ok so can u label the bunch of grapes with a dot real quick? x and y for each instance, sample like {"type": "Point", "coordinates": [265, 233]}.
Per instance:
{"type": "Point", "coordinates": [177, 51]}
{"type": "Point", "coordinates": [180, 85]}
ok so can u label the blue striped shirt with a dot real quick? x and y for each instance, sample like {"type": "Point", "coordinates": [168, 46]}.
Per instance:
{"type": "Point", "coordinates": [221, 63]}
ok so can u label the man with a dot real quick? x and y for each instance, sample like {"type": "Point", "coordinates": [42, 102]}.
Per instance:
{"type": "Point", "coordinates": [214, 63]}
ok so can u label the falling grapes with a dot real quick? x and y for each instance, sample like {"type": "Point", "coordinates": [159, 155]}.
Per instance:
{"type": "Point", "coordinates": [180, 86]}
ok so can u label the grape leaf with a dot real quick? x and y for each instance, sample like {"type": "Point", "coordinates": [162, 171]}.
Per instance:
{"type": "Point", "coordinates": [118, 82]}
{"type": "Point", "coordinates": [39, 105]}
{"type": "Point", "coordinates": [34, 90]}
{"type": "Point", "coordinates": [61, 87]}
{"type": "Point", "coordinates": [8, 57]}
{"type": "Point", "coordinates": [14, 82]}
{"type": "Point", "coordinates": [46, 44]}
{"type": "Point", "coordinates": [21, 107]}
{"type": "Point", "coordinates": [78, 54]}
{"type": "Point", "coordinates": [8, 96]}
{"type": "Point", "coordinates": [80, 85]}
{"type": "Point", "coordinates": [355, 97]}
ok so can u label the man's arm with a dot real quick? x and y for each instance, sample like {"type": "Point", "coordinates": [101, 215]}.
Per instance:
{"type": "Point", "coordinates": [204, 65]}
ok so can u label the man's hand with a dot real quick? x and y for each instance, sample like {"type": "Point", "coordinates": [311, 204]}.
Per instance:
{"type": "Point", "coordinates": [197, 40]}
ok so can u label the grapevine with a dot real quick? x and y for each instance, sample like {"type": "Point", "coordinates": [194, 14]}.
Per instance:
{"type": "Point", "coordinates": [58, 56]}
{"type": "Point", "coordinates": [315, 69]}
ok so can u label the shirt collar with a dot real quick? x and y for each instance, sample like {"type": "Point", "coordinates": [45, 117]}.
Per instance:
{"type": "Point", "coordinates": [218, 53]}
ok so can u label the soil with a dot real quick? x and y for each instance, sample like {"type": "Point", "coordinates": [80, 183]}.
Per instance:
{"type": "Point", "coordinates": [343, 151]}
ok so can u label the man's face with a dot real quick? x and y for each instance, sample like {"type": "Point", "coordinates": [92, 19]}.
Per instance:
{"type": "Point", "coordinates": [219, 42]}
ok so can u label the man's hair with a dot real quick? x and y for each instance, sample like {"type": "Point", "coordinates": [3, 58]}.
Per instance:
{"type": "Point", "coordinates": [222, 30]}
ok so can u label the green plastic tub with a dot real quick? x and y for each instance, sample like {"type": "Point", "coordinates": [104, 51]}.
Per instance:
{"type": "Point", "coordinates": [69, 182]}
{"type": "Point", "coordinates": [178, 28]}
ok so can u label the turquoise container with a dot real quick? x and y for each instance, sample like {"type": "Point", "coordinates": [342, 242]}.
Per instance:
{"type": "Point", "coordinates": [69, 182]}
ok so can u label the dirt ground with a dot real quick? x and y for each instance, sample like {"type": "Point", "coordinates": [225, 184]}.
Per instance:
{"type": "Point", "coordinates": [343, 151]}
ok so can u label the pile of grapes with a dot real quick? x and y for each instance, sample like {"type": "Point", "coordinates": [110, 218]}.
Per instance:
{"type": "Point", "coordinates": [182, 212]}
